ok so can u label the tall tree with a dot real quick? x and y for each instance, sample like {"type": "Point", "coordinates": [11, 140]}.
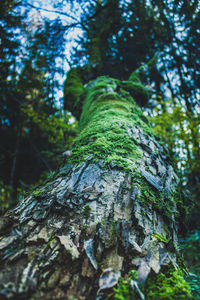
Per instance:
{"type": "Point", "coordinates": [32, 128]}
{"type": "Point", "coordinates": [118, 35]}
{"type": "Point", "coordinates": [10, 23]}
{"type": "Point", "coordinates": [111, 211]}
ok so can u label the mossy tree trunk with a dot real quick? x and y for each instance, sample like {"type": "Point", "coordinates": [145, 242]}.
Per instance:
{"type": "Point", "coordinates": [109, 212]}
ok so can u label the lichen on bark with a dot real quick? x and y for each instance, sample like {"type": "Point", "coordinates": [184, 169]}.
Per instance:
{"type": "Point", "coordinates": [111, 210]}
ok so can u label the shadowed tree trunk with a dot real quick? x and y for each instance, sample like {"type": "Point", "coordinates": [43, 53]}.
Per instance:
{"type": "Point", "coordinates": [111, 211]}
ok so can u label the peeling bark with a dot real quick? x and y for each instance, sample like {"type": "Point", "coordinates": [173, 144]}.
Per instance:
{"type": "Point", "coordinates": [75, 236]}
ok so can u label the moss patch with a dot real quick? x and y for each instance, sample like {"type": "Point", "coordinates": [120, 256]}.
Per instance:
{"type": "Point", "coordinates": [73, 88]}
{"type": "Point", "coordinates": [86, 211]}
{"type": "Point", "coordinates": [124, 291]}
{"type": "Point", "coordinates": [151, 198]}
{"type": "Point", "coordinates": [160, 238]}
{"type": "Point", "coordinates": [137, 91]}
{"type": "Point", "coordinates": [105, 117]}
{"type": "Point", "coordinates": [168, 286]}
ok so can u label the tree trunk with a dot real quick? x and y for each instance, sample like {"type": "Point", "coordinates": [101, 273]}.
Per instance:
{"type": "Point", "coordinates": [14, 163]}
{"type": "Point", "coordinates": [109, 212]}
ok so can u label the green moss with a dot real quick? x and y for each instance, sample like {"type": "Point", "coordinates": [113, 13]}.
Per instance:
{"type": "Point", "coordinates": [168, 286]}
{"type": "Point", "coordinates": [137, 91]}
{"type": "Point", "coordinates": [38, 192]}
{"type": "Point", "coordinates": [105, 117]}
{"type": "Point", "coordinates": [124, 291]}
{"type": "Point", "coordinates": [149, 196]}
{"type": "Point", "coordinates": [135, 77]}
{"type": "Point", "coordinates": [160, 237]}
{"type": "Point", "coordinates": [86, 211]}
{"type": "Point", "coordinates": [73, 89]}
{"type": "Point", "coordinates": [180, 260]}
{"type": "Point", "coordinates": [113, 234]}
{"type": "Point", "coordinates": [126, 188]}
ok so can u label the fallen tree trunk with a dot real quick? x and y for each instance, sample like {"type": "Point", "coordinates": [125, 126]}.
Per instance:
{"type": "Point", "coordinates": [110, 212]}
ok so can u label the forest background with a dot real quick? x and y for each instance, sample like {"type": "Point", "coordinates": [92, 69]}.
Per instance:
{"type": "Point", "coordinates": [42, 40]}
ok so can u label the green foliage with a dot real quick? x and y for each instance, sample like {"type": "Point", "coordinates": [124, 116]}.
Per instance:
{"type": "Point", "coordinates": [194, 282]}
{"type": "Point", "coordinates": [138, 74]}
{"type": "Point", "coordinates": [34, 132]}
{"type": "Point", "coordinates": [86, 211]}
{"type": "Point", "coordinates": [10, 22]}
{"type": "Point", "coordinates": [160, 237]}
{"type": "Point", "coordinates": [124, 290]}
{"type": "Point", "coordinates": [135, 77]}
{"type": "Point", "coordinates": [190, 246]}
{"type": "Point", "coordinates": [118, 37]}
{"type": "Point", "coordinates": [37, 192]}
{"type": "Point", "coordinates": [73, 89]}
{"type": "Point", "coordinates": [168, 286]}
{"type": "Point", "coordinates": [5, 197]}
{"type": "Point", "coordinates": [57, 128]}
{"type": "Point", "coordinates": [180, 130]}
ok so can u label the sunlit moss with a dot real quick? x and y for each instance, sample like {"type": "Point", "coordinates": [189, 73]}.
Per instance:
{"type": "Point", "coordinates": [124, 289]}
{"type": "Point", "coordinates": [169, 286]}
{"type": "Point", "coordinates": [105, 117]}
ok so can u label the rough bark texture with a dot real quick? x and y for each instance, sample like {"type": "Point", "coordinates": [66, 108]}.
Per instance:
{"type": "Point", "coordinates": [92, 222]}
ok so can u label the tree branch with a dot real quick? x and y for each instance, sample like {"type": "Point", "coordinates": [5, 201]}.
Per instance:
{"type": "Point", "coordinates": [51, 11]}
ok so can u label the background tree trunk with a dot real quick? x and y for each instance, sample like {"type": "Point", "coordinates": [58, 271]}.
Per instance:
{"type": "Point", "coordinates": [110, 211]}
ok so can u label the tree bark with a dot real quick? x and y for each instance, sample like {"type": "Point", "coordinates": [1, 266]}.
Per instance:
{"type": "Point", "coordinates": [106, 213]}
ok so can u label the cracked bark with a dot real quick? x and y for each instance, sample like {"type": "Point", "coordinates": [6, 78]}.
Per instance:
{"type": "Point", "coordinates": [49, 249]}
